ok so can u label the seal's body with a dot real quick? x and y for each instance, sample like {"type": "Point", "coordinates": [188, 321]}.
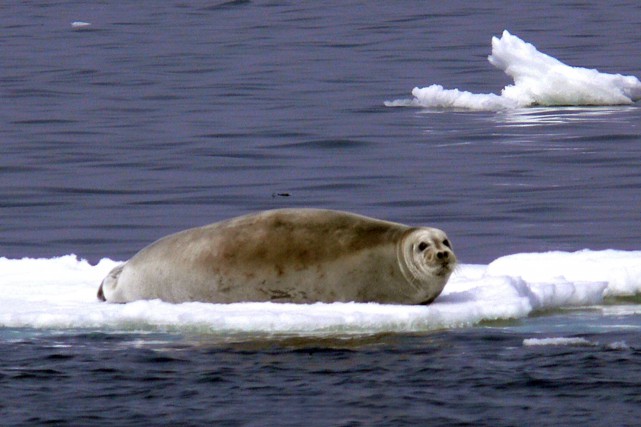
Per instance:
{"type": "Point", "coordinates": [289, 255]}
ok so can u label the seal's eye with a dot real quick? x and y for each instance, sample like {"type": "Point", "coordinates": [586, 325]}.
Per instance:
{"type": "Point", "coordinates": [422, 246]}
{"type": "Point", "coordinates": [447, 243]}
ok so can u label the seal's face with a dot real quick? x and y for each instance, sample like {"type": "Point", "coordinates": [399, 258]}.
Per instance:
{"type": "Point", "coordinates": [427, 260]}
{"type": "Point", "coordinates": [435, 250]}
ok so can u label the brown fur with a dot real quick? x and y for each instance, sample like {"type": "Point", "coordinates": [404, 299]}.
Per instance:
{"type": "Point", "coordinates": [289, 255]}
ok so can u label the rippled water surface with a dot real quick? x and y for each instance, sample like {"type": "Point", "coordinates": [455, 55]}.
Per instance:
{"type": "Point", "coordinates": [481, 376]}
{"type": "Point", "coordinates": [160, 116]}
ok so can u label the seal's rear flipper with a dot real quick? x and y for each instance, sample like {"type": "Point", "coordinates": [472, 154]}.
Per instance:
{"type": "Point", "coordinates": [109, 283]}
{"type": "Point", "coordinates": [101, 295]}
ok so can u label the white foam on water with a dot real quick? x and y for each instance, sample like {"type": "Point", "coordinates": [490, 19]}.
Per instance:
{"type": "Point", "coordinates": [60, 293]}
{"type": "Point", "coordinates": [618, 345]}
{"type": "Point", "coordinates": [539, 80]}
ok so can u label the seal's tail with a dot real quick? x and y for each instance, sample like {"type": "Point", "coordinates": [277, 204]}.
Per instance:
{"type": "Point", "coordinates": [110, 282]}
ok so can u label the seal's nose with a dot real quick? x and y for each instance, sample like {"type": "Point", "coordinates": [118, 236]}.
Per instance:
{"type": "Point", "coordinates": [442, 255]}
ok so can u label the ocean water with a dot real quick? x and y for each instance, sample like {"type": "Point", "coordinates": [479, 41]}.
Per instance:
{"type": "Point", "coordinates": [516, 128]}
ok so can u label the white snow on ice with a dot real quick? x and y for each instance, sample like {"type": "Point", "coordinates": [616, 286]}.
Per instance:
{"type": "Point", "coordinates": [60, 293]}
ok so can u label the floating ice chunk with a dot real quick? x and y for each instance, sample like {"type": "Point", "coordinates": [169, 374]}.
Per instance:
{"type": "Point", "coordinates": [61, 293]}
{"type": "Point", "coordinates": [80, 24]}
{"type": "Point", "coordinates": [539, 80]}
{"type": "Point", "coordinates": [435, 96]}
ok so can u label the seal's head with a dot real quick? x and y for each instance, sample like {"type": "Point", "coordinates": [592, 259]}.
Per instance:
{"type": "Point", "coordinates": [426, 259]}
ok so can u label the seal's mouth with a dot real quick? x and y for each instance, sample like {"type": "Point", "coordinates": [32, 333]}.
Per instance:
{"type": "Point", "coordinates": [444, 269]}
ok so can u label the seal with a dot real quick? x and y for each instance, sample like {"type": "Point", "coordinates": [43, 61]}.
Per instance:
{"type": "Point", "coordinates": [289, 255]}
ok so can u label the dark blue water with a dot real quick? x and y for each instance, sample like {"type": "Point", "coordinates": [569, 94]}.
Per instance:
{"type": "Point", "coordinates": [165, 115]}
{"type": "Point", "coordinates": [481, 376]}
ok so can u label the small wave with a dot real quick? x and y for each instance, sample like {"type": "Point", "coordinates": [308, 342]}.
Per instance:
{"type": "Point", "coordinates": [573, 342]}
{"type": "Point", "coordinates": [539, 80]}
{"type": "Point", "coordinates": [530, 342]}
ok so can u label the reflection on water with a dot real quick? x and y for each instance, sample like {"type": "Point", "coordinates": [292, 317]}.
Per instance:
{"type": "Point", "coordinates": [545, 116]}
